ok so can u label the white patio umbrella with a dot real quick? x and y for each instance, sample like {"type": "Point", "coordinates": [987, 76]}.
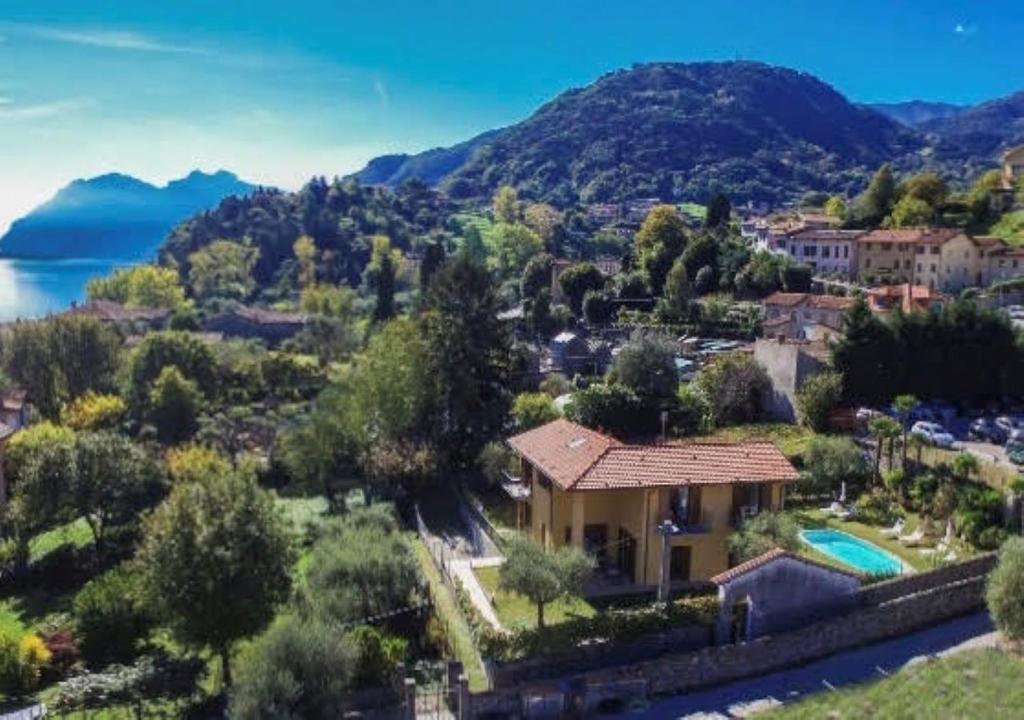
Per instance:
{"type": "Point", "coordinates": [842, 493]}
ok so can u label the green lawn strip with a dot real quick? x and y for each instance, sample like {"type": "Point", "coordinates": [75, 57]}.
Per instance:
{"type": "Point", "coordinates": [816, 518]}
{"type": "Point", "coordinates": [976, 684]}
{"type": "Point", "coordinates": [790, 439]}
{"type": "Point", "coordinates": [447, 611]}
{"type": "Point", "coordinates": [514, 610]}
{"type": "Point", "coordinates": [76, 533]}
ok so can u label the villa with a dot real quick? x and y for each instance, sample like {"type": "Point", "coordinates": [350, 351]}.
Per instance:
{"type": "Point", "coordinates": [626, 503]}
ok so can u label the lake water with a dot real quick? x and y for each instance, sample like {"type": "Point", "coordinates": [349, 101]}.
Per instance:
{"type": "Point", "coordinates": [34, 288]}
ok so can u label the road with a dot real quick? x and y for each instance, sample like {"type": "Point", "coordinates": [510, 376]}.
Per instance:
{"type": "Point", "coordinates": [746, 697]}
{"type": "Point", "coordinates": [989, 452]}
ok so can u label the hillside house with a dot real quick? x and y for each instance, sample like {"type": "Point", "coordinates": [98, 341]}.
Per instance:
{"type": "Point", "coordinates": [256, 323]}
{"type": "Point", "coordinates": [789, 363]}
{"type": "Point", "coordinates": [1005, 263]}
{"type": "Point", "coordinates": [803, 316]}
{"type": "Point", "coordinates": [909, 298]}
{"type": "Point", "coordinates": [825, 250]}
{"type": "Point", "coordinates": [610, 498]}
{"type": "Point", "coordinates": [887, 256]}
{"type": "Point", "coordinates": [1013, 167]}
{"type": "Point", "coordinates": [129, 319]}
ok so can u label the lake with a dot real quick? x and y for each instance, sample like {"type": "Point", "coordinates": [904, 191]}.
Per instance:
{"type": "Point", "coordinates": [34, 288]}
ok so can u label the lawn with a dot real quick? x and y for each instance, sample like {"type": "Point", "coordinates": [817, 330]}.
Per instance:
{"type": "Point", "coordinates": [977, 684]}
{"type": "Point", "coordinates": [514, 610]}
{"type": "Point", "coordinates": [790, 439]}
{"type": "Point", "coordinates": [459, 636]}
{"type": "Point", "coordinates": [816, 519]}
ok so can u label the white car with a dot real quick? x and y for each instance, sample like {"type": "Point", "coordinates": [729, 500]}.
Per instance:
{"type": "Point", "coordinates": [933, 433]}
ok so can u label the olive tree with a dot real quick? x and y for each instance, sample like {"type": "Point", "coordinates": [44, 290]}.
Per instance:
{"type": "Point", "coordinates": [1005, 593]}
{"type": "Point", "coordinates": [542, 575]}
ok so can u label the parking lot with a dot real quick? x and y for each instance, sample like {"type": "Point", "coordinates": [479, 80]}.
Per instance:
{"type": "Point", "coordinates": [989, 452]}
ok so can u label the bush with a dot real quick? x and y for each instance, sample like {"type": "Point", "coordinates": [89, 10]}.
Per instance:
{"type": "Point", "coordinates": [110, 617]}
{"type": "Point", "coordinates": [64, 650]}
{"type": "Point", "coordinates": [735, 388]}
{"type": "Point", "coordinates": [555, 385]}
{"type": "Point", "coordinates": [877, 508]}
{"type": "Point", "coordinates": [379, 656]}
{"type": "Point", "coordinates": [154, 677]}
{"type": "Point", "coordinates": [611, 408]}
{"type": "Point", "coordinates": [22, 663]}
{"type": "Point", "coordinates": [830, 461]}
{"type": "Point", "coordinates": [531, 410]}
{"type": "Point", "coordinates": [1005, 592]}
{"type": "Point", "coordinates": [94, 412]}
{"type": "Point", "coordinates": [296, 669]}
{"type": "Point", "coordinates": [991, 538]}
{"type": "Point", "coordinates": [763, 533]}
{"type": "Point", "coordinates": [818, 398]}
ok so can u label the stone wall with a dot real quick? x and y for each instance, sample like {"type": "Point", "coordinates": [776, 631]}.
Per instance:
{"type": "Point", "coordinates": [918, 582]}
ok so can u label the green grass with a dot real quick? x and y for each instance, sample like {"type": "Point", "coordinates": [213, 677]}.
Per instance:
{"type": "Point", "coordinates": [75, 533]}
{"type": "Point", "coordinates": [816, 519]}
{"type": "Point", "coordinates": [459, 636]}
{"type": "Point", "coordinates": [977, 684]}
{"type": "Point", "coordinates": [790, 439]}
{"type": "Point", "coordinates": [694, 210]}
{"type": "Point", "coordinates": [514, 610]}
{"type": "Point", "coordinates": [1010, 227]}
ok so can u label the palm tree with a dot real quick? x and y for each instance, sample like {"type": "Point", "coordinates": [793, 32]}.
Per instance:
{"type": "Point", "coordinates": [904, 405]}
{"type": "Point", "coordinates": [965, 465]}
{"type": "Point", "coordinates": [882, 428]}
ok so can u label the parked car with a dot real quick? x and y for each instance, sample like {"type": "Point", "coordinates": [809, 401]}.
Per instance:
{"type": "Point", "coordinates": [986, 430]}
{"type": "Point", "coordinates": [933, 433]}
{"type": "Point", "coordinates": [1008, 424]}
{"type": "Point", "coordinates": [1015, 451]}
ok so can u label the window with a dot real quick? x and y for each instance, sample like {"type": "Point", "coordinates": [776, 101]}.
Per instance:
{"type": "Point", "coordinates": [867, 262]}
{"type": "Point", "coordinates": [901, 247]}
{"type": "Point", "coordinates": [920, 250]}
{"type": "Point", "coordinates": [810, 250]}
{"type": "Point", "coordinates": [1015, 263]}
{"type": "Point", "coordinates": [679, 563]}
{"type": "Point", "coordinates": [781, 244]}
{"type": "Point", "coordinates": [868, 246]}
{"type": "Point", "coordinates": [933, 267]}
{"type": "Point", "coordinates": [825, 251]}
{"type": "Point", "coordinates": [919, 267]}
{"type": "Point", "coordinates": [906, 264]}
{"type": "Point", "coordinates": [685, 505]}
{"type": "Point", "coordinates": [846, 252]}
{"type": "Point", "coordinates": [935, 250]}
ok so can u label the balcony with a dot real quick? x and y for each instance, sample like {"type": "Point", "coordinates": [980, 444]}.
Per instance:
{"type": "Point", "coordinates": [681, 526]}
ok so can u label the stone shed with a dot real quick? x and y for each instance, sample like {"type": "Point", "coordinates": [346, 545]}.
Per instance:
{"type": "Point", "coordinates": [779, 591]}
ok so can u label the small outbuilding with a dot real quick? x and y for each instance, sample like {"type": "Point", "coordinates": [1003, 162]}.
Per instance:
{"type": "Point", "coordinates": [780, 591]}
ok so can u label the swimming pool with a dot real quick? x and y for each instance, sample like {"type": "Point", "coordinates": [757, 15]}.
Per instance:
{"type": "Point", "coordinates": [858, 554]}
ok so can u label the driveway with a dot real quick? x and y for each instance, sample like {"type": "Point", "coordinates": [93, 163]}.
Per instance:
{"type": "Point", "coordinates": [746, 697]}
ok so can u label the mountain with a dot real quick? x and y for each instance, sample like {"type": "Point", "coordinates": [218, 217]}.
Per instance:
{"type": "Point", "coordinates": [914, 113]}
{"type": "Point", "coordinates": [972, 141]}
{"type": "Point", "coordinates": [115, 216]}
{"type": "Point", "coordinates": [431, 166]}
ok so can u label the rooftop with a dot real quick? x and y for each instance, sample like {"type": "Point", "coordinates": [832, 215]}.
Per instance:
{"type": "Point", "coordinates": [577, 458]}
{"type": "Point", "coordinates": [821, 302]}
{"type": "Point", "coordinates": [769, 557]}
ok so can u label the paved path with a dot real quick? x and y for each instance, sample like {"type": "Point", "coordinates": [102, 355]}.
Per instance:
{"type": "Point", "coordinates": [463, 571]}
{"type": "Point", "coordinates": [746, 697]}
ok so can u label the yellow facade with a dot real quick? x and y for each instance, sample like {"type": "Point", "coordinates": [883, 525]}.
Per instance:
{"type": "Point", "coordinates": [620, 526]}
{"type": "Point", "coordinates": [951, 266]}
{"type": "Point", "coordinates": [885, 262]}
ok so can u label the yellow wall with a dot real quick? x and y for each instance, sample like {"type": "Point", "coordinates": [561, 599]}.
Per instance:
{"type": "Point", "coordinates": [879, 261]}
{"type": "Point", "coordinates": [639, 511]}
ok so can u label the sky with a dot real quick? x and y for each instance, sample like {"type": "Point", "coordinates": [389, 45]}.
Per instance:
{"type": "Point", "coordinates": [279, 91]}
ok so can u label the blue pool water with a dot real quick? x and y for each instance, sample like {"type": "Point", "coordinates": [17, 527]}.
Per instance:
{"type": "Point", "coordinates": [858, 554]}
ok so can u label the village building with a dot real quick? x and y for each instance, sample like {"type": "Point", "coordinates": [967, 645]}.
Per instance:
{"type": "Point", "coordinates": [909, 298]}
{"type": "Point", "coordinates": [1005, 263]}
{"type": "Point", "coordinates": [256, 323]}
{"type": "Point", "coordinates": [803, 316]}
{"type": "Point", "coordinates": [126, 317]}
{"type": "Point", "coordinates": [642, 510]}
{"type": "Point", "coordinates": [1013, 167]}
{"type": "Point", "coordinates": [887, 256]}
{"type": "Point", "coordinates": [789, 364]}
{"type": "Point", "coordinates": [825, 250]}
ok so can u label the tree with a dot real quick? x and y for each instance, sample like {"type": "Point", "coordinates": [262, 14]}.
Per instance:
{"type": "Point", "coordinates": [174, 405]}
{"type": "Point", "coordinates": [1006, 589]}
{"type": "Point", "coordinates": [536, 276]}
{"type": "Point", "coordinates": [661, 239]}
{"type": "Point", "coordinates": [866, 356]}
{"type": "Point", "coordinates": [539, 315]}
{"type": "Point", "coordinates": [192, 463]}
{"type": "Point", "coordinates": [531, 410]}
{"type": "Point", "coordinates": [701, 252]}
{"type": "Point", "coordinates": [719, 212]}
{"type": "Point", "coordinates": [877, 201]}
{"type": "Point", "coordinates": [818, 398]}
{"type": "Point", "coordinates": [927, 187]}
{"type": "Point", "coordinates": [647, 367]}
{"type": "Point", "coordinates": [384, 309]}
{"type": "Point", "coordinates": [93, 411]}
{"type": "Point", "coordinates": [911, 212]}
{"type": "Point", "coordinates": [576, 280]}
{"type": "Point", "coordinates": [467, 357]}
{"type": "Point", "coordinates": [762, 533]}
{"type": "Point", "coordinates": [505, 205]}
{"type": "Point", "coordinates": [223, 269]}
{"type": "Point", "coordinates": [543, 220]}
{"type": "Point", "coordinates": [835, 207]}
{"type": "Point", "coordinates": [141, 286]}
{"type": "Point", "coordinates": [543, 576]}
{"type": "Point", "coordinates": [882, 429]}
{"type": "Point", "coordinates": [111, 617]}
{"type": "Point", "coordinates": [296, 669]}
{"type": "Point", "coordinates": [904, 405]}
{"type": "Point", "coordinates": [114, 481]}
{"type": "Point", "coordinates": [514, 246]}
{"type": "Point", "coordinates": [305, 256]}
{"type": "Point", "coordinates": [190, 355]}
{"type": "Point", "coordinates": [674, 306]}
{"type": "Point", "coordinates": [433, 258]}
{"type": "Point", "coordinates": [611, 408]}
{"type": "Point", "coordinates": [735, 388]}
{"type": "Point", "coordinates": [598, 307]}
{"type": "Point", "coordinates": [796, 278]}
{"type": "Point", "coordinates": [216, 561]}
{"type": "Point", "coordinates": [331, 301]}
{"type": "Point", "coordinates": [831, 461]}
{"type": "Point", "coordinates": [706, 281]}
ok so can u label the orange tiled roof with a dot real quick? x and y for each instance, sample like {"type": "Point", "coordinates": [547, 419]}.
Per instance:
{"type": "Point", "coordinates": [831, 234]}
{"type": "Point", "coordinates": [821, 302]}
{"type": "Point", "coordinates": [769, 557]}
{"type": "Point", "coordinates": [577, 458]}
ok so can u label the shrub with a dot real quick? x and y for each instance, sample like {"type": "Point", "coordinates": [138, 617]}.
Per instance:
{"type": "Point", "coordinates": [991, 538]}
{"type": "Point", "coordinates": [555, 384]}
{"type": "Point", "coordinates": [877, 508]}
{"type": "Point", "coordinates": [22, 663]}
{"type": "Point", "coordinates": [1006, 590]}
{"type": "Point", "coordinates": [379, 656]}
{"type": "Point", "coordinates": [154, 677]}
{"type": "Point", "coordinates": [543, 575]}
{"type": "Point", "coordinates": [611, 408]}
{"type": "Point", "coordinates": [531, 410]}
{"type": "Point", "coordinates": [296, 669]}
{"type": "Point", "coordinates": [494, 460]}
{"type": "Point", "coordinates": [830, 461]}
{"type": "Point", "coordinates": [762, 533]}
{"type": "Point", "coordinates": [110, 617]}
{"type": "Point", "coordinates": [64, 650]}
{"type": "Point", "coordinates": [818, 398]}
{"type": "Point", "coordinates": [735, 388]}
{"type": "Point", "coordinates": [94, 412]}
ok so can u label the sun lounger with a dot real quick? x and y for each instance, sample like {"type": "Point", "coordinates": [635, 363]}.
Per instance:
{"type": "Point", "coordinates": [895, 531]}
{"type": "Point", "coordinates": [913, 539]}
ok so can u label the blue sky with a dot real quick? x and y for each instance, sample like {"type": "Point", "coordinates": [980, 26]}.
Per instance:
{"type": "Point", "coordinates": [277, 91]}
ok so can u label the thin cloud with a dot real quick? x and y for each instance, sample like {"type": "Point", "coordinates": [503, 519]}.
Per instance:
{"type": "Point", "coordinates": [110, 39]}
{"type": "Point", "coordinates": [10, 111]}
{"type": "Point", "coordinates": [382, 92]}
{"type": "Point", "coordinates": [966, 29]}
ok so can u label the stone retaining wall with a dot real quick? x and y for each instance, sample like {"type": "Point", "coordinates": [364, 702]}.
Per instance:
{"type": "Point", "coordinates": [918, 582]}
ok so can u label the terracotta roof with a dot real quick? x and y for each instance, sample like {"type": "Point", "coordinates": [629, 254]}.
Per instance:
{"type": "Point", "coordinates": [990, 241]}
{"type": "Point", "coordinates": [771, 556]}
{"type": "Point", "coordinates": [562, 450]}
{"type": "Point", "coordinates": [892, 236]}
{"type": "Point", "coordinates": [828, 234]}
{"type": "Point", "coordinates": [577, 458]}
{"type": "Point", "coordinates": [940, 236]}
{"type": "Point", "coordinates": [821, 302]}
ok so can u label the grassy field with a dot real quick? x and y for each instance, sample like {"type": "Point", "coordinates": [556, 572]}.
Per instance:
{"type": "Point", "coordinates": [459, 636]}
{"type": "Point", "coordinates": [514, 610]}
{"type": "Point", "coordinates": [977, 685]}
{"type": "Point", "coordinates": [791, 439]}
{"type": "Point", "coordinates": [817, 519]}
